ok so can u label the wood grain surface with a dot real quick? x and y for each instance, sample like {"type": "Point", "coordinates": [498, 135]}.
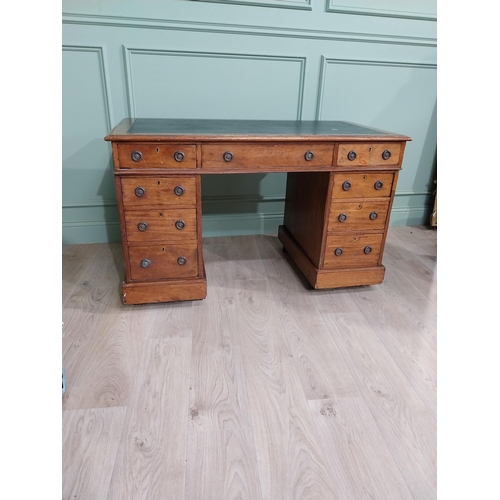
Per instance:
{"type": "Point", "coordinates": [265, 390]}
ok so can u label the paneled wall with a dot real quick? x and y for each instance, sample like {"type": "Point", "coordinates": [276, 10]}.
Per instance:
{"type": "Point", "coordinates": [366, 61]}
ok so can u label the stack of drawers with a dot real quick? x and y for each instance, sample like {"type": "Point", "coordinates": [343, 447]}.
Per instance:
{"type": "Point", "coordinates": [346, 247]}
{"type": "Point", "coordinates": [161, 233]}
{"type": "Point", "coordinates": [160, 225]}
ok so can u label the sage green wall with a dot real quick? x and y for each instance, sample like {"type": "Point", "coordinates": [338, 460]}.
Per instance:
{"type": "Point", "coordinates": [366, 61]}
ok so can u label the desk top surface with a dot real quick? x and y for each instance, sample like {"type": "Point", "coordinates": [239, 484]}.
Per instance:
{"type": "Point", "coordinates": [155, 129]}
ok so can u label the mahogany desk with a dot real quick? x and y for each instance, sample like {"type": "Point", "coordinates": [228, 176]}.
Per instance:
{"type": "Point", "coordinates": [340, 188]}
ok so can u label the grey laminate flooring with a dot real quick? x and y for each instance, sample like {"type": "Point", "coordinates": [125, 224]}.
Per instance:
{"type": "Point", "coordinates": [264, 390]}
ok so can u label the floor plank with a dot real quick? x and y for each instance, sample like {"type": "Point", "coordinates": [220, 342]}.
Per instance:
{"type": "Point", "coordinates": [151, 460]}
{"type": "Point", "coordinates": [90, 440]}
{"type": "Point", "coordinates": [357, 455]}
{"type": "Point", "coordinates": [291, 462]}
{"type": "Point", "coordinates": [222, 465]}
{"type": "Point", "coordinates": [405, 423]}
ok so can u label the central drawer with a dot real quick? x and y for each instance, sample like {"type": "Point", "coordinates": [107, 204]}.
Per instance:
{"type": "Point", "coordinates": [230, 155]}
{"type": "Point", "coordinates": [359, 250]}
{"type": "Point", "coordinates": [160, 225]}
{"type": "Point", "coordinates": [159, 191]}
{"type": "Point", "coordinates": [163, 261]}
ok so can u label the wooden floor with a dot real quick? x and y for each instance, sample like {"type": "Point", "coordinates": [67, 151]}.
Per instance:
{"type": "Point", "coordinates": [264, 390]}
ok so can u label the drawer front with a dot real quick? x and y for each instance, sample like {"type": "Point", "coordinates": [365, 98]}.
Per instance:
{"type": "Point", "coordinates": [345, 216]}
{"type": "Point", "coordinates": [230, 156]}
{"type": "Point", "coordinates": [356, 154]}
{"type": "Point", "coordinates": [161, 191]}
{"type": "Point", "coordinates": [163, 261]}
{"type": "Point", "coordinates": [370, 185]}
{"type": "Point", "coordinates": [160, 225]}
{"type": "Point", "coordinates": [147, 155]}
{"type": "Point", "coordinates": [360, 250]}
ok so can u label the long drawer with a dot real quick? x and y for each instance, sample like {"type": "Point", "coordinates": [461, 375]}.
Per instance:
{"type": "Point", "coordinates": [158, 191]}
{"type": "Point", "coordinates": [165, 261]}
{"type": "Point", "coordinates": [230, 156]}
{"type": "Point", "coordinates": [174, 224]}
{"type": "Point", "coordinates": [357, 250]}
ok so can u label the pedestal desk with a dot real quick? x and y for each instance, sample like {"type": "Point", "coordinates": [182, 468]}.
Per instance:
{"type": "Point", "coordinates": [341, 179]}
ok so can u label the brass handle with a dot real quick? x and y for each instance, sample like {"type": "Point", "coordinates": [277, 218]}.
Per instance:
{"type": "Point", "coordinates": [373, 215]}
{"type": "Point", "coordinates": [180, 224]}
{"type": "Point", "coordinates": [136, 155]}
{"type": "Point", "coordinates": [338, 252]}
{"type": "Point", "coordinates": [346, 186]}
{"type": "Point", "coordinates": [228, 156]}
{"type": "Point", "coordinates": [178, 156]}
{"type": "Point", "coordinates": [140, 191]}
{"type": "Point", "coordinates": [181, 261]}
{"type": "Point", "coordinates": [378, 185]}
{"type": "Point", "coordinates": [367, 250]}
{"type": "Point", "coordinates": [145, 263]}
{"type": "Point", "coordinates": [142, 226]}
{"type": "Point", "coordinates": [386, 154]}
{"type": "Point", "coordinates": [342, 217]}
{"type": "Point", "coordinates": [178, 190]}
{"type": "Point", "coordinates": [309, 155]}
{"type": "Point", "coordinates": [351, 155]}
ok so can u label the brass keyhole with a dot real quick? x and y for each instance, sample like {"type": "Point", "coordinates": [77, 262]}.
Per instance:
{"type": "Point", "coordinates": [158, 183]}
{"type": "Point", "coordinates": [157, 150]}
{"type": "Point", "coordinates": [364, 178]}
{"type": "Point", "coordinates": [359, 207]}
{"type": "Point", "coordinates": [161, 214]}
{"type": "Point", "coordinates": [163, 249]}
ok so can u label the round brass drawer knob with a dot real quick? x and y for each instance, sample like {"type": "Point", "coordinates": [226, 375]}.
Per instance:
{"type": "Point", "coordinates": [142, 226]}
{"type": "Point", "coordinates": [367, 250]}
{"type": "Point", "coordinates": [386, 154]}
{"type": "Point", "coordinates": [178, 156]}
{"type": "Point", "coordinates": [181, 261]}
{"type": "Point", "coordinates": [136, 156]}
{"type": "Point", "coordinates": [346, 186]}
{"type": "Point", "coordinates": [338, 252]}
{"type": "Point", "coordinates": [140, 191]}
{"type": "Point", "coordinates": [178, 190]}
{"type": "Point", "coordinates": [373, 215]}
{"type": "Point", "coordinates": [228, 156]}
{"type": "Point", "coordinates": [378, 185]}
{"type": "Point", "coordinates": [309, 155]}
{"type": "Point", "coordinates": [351, 156]}
{"type": "Point", "coordinates": [180, 224]}
{"type": "Point", "coordinates": [342, 217]}
{"type": "Point", "coordinates": [145, 263]}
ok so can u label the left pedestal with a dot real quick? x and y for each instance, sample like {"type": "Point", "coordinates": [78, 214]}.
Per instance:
{"type": "Point", "coordinates": [160, 221]}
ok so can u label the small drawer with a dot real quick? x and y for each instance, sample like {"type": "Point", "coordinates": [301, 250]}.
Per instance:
{"type": "Point", "coordinates": [358, 154]}
{"type": "Point", "coordinates": [358, 216]}
{"type": "Point", "coordinates": [360, 250]}
{"type": "Point", "coordinates": [153, 262]}
{"type": "Point", "coordinates": [234, 156]}
{"type": "Point", "coordinates": [158, 191]}
{"type": "Point", "coordinates": [147, 155]}
{"type": "Point", "coordinates": [371, 185]}
{"type": "Point", "coordinates": [160, 225]}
